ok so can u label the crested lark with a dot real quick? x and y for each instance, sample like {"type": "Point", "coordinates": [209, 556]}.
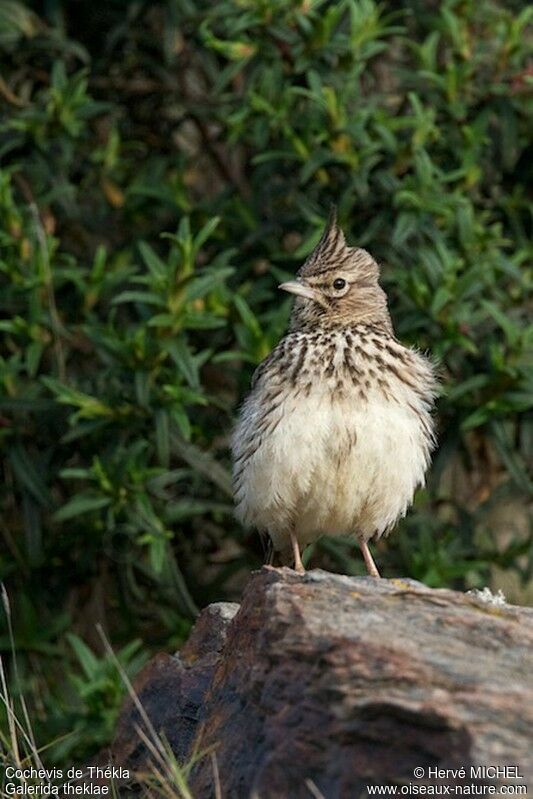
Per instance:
{"type": "Point", "coordinates": [336, 433]}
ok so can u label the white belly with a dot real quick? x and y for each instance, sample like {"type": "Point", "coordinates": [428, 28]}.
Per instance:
{"type": "Point", "coordinates": [334, 467]}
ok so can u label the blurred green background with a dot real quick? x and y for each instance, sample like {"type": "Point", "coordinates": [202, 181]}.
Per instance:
{"type": "Point", "coordinates": [164, 166]}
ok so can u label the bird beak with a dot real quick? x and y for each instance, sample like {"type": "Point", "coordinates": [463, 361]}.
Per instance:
{"type": "Point", "coordinates": [298, 288]}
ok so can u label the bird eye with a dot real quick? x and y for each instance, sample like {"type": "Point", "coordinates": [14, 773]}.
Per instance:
{"type": "Point", "coordinates": [339, 284]}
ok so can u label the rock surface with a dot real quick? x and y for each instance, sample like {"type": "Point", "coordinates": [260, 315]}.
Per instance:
{"type": "Point", "coordinates": [321, 685]}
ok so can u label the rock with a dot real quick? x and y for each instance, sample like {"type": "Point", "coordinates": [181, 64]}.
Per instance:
{"type": "Point", "coordinates": [321, 685]}
{"type": "Point", "coordinates": [171, 690]}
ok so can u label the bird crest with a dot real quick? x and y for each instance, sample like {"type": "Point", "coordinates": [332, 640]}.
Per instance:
{"type": "Point", "coordinates": [330, 251]}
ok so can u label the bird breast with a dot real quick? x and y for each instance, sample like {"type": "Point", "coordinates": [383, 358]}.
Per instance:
{"type": "Point", "coordinates": [334, 437]}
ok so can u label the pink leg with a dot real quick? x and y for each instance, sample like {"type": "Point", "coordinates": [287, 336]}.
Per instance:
{"type": "Point", "coordinates": [369, 560]}
{"type": "Point", "coordinates": [298, 565]}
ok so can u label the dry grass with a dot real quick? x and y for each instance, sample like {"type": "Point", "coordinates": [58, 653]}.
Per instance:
{"type": "Point", "coordinates": [164, 779]}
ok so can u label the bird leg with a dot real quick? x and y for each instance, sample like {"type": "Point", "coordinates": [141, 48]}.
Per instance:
{"type": "Point", "coordinates": [369, 560]}
{"type": "Point", "coordinates": [269, 559]}
{"type": "Point", "coordinates": [298, 565]}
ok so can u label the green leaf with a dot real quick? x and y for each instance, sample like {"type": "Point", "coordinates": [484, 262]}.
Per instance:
{"type": "Point", "coordinates": [75, 474]}
{"type": "Point", "coordinates": [157, 548]}
{"type": "Point", "coordinates": [441, 298]}
{"type": "Point", "coordinates": [162, 320]}
{"type": "Point", "coordinates": [198, 287]}
{"type": "Point", "coordinates": [203, 462]}
{"type": "Point", "coordinates": [81, 504]}
{"type": "Point", "coordinates": [406, 225]}
{"type": "Point", "coordinates": [467, 387]}
{"type": "Point", "coordinates": [88, 661]}
{"type": "Point", "coordinates": [202, 321]}
{"type": "Point", "coordinates": [158, 269]}
{"type": "Point", "coordinates": [247, 316]}
{"type": "Point", "coordinates": [182, 357]}
{"type": "Point", "coordinates": [512, 330]}
{"type": "Point", "coordinates": [28, 476]}
{"type": "Point", "coordinates": [189, 508]}
{"type": "Point", "coordinates": [146, 297]}
{"type": "Point", "coordinates": [162, 437]}
{"type": "Point", "coordinates": [89, 407]}
{"type": "Point", "coordinates": [33, 357]}
{"type": "Point", "coordinates": [182, 421]}
{"type": "Point", "coordinates": [475, 419]}
{"type": "Point", "coordinates": [512, 460]}
{"type": "Point", "coordinates": [207, 230]}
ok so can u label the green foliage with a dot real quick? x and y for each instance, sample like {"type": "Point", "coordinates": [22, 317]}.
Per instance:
{"type": "Point", "coordinates": [98, 687]}
{"type": "Point", "coordinates": [164, 166]}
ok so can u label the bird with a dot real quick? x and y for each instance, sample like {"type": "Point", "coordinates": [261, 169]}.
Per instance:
{"type": "Point", "coordinates": [337, 430]}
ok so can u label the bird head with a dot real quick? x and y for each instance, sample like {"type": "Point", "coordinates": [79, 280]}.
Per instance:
{"type": "Point", "coordinates": [338, 284]}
